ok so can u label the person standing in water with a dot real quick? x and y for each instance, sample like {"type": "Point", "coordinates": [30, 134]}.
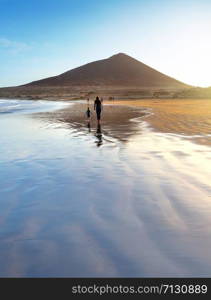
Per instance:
{"type": "Point", "coordinates": [98, 108]}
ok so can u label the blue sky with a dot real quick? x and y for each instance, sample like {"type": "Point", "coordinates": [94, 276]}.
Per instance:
{"type": "Point", "coordinates": [45, 38]}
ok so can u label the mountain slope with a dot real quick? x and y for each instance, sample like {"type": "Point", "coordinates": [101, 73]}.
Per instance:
{"type": "Point", "coordinates": [118, 70]}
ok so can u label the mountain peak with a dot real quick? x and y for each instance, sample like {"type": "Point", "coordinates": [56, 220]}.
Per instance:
{"type": "Point", "coordinates": [119, 55]}
{"type": "Point", "coordinates": [119, 70]}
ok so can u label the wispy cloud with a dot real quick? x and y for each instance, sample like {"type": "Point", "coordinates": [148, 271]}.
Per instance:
{"type": "Point", "coordinates": [13, 46]}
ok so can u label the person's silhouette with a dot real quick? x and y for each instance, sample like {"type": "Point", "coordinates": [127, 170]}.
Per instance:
{"type": "Point", "coordinates": [98, 108]}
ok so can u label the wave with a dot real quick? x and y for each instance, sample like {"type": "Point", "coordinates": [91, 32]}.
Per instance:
{"type": "Point", "coordinates": [29, 106]}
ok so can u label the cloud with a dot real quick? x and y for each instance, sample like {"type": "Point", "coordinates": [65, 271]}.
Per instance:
{"type": "Point", "coordinates": [13, 46]}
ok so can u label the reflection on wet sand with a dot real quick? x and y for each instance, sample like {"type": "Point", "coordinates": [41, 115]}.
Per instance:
{"type": "Point", "coordinates": [89, 126]}
{"type": "Point", "coordinates": [117, 122]}
{"type": "Point", "coordinates": [190, 118]}
{"type": "Point", "coordinates": [99, 135]}
{"type": "Point", "coordinates": [138, 206]}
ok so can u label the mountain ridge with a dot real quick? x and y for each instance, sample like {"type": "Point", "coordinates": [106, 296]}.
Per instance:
{"type": "Point", "coordinates": [120, 76]}
{"type": "Point", "coordinates": [117, 70]}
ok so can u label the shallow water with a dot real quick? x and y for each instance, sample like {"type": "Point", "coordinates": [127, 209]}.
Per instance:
{"type": "Point", "coordinates": [77, 202]}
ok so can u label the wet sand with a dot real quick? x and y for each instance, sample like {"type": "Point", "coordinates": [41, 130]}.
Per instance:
{"type": "Point", "coordinates": [186, 117]}
{"type": "Point", "coordinates": [120, 122]}
{"type": "Point", "coordinates": [128, 201]}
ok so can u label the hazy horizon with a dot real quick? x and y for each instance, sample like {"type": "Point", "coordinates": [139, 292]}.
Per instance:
{"type": "Point", "coordinates": [43, 39]}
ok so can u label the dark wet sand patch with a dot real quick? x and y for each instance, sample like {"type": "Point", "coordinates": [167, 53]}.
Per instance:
{"type": "Point", "coordinates": [116, 122]}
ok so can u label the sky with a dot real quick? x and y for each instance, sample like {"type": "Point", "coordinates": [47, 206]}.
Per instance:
{"type": "Point", "coordinates": [42, 38]}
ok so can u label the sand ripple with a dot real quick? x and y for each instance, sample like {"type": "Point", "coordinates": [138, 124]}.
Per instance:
{"type": "Point", "coordinates": [138, 205]}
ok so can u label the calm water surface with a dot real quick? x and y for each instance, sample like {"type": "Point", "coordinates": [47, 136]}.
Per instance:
{"type": "Point", "coordinates": [78, 201]}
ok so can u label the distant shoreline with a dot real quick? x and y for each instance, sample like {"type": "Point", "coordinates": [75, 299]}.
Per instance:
{"type": "Point", "coordinates": [189, 118]}
{"type": "Point", "coordinates": [107, 92]}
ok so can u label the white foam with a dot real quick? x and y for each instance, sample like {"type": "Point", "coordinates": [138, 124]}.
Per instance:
{"type": "Point", "coordinates": [29, 106]}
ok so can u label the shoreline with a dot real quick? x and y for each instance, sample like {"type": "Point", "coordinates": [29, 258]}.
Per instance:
{"type": "Point", "coordinates": [117, 121]}
{"type": "Point", "coordinates": [189, 118]}
{"type": "Point", "coordinates": [183, 117]}
{"type": "Point", "coordinates": [117, 98]}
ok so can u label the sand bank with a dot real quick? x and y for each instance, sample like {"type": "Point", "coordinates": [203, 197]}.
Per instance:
{"type": "Point", "coordinates": [191, 118]}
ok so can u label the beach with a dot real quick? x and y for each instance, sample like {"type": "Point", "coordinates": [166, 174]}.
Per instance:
{"type": "Point", "coordinates": [129, 199]}
{"type": "Point", "coordinates": [190, 118]}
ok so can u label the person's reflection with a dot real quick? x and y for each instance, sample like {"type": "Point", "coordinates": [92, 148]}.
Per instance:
{"type": "Point", "coordinates": [89, 126]}
{"type": "Point", "coordinates": [99, 135]}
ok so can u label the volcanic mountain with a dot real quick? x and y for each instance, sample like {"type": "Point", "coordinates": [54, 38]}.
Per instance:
{"type": "Point", "coordinates": [119, 75]}
{"type": "Point", "coordinates": [119, 70]}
